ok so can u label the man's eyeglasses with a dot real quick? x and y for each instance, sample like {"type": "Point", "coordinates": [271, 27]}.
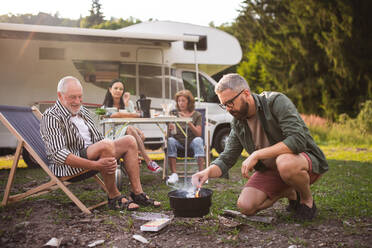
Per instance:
{"type": "Point", "coordinates": [230, 103]}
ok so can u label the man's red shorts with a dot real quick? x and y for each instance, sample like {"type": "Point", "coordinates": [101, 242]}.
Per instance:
{"type": "Point", "coordinates": [272, 184]}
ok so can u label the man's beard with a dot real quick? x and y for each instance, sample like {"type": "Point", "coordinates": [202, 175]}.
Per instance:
{"type": "Point", "coordinates": [242, 113]}
{"type": "Point", "coordinates": [75, 112]}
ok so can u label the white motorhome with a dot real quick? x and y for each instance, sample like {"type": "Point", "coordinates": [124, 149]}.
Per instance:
{"type": "Point", "coordinates": [154, 58]}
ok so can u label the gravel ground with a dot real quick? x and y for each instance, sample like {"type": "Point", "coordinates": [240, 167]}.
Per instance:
{"type": "Point", "coordinates": [34, 223]}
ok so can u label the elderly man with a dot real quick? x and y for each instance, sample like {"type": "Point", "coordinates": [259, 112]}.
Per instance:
{"type": "Point", "coordinates": [73, 145]}
{"type": "Point", "coordinates": [282, 152]}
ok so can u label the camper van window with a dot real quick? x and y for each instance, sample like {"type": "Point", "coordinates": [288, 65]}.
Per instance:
{"type": "Point", "coordinates": [173, 88]}
{"type": "Point", "coordinates": [150, 80]}
{"type": "Point", "coordinates": [176, 83]}
{"type": "Point", "coordinates": [200, 46]}
{"type": "Point", "coordinates": [128, 75]}
{"type": "Point", "coordinates": [206, 87]}
{"type": "Point", "coordinates": [189, 81]}
{"type": "Point", "coordinates": [207, 90]}
{"type": "Point", "coordinates": [98, 73]}
{"type": "Point", "coordinates": [167, 79]}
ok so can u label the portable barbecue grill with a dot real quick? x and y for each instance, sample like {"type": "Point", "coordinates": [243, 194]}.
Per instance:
{"type": "Point", "coordinates": [185, 206]}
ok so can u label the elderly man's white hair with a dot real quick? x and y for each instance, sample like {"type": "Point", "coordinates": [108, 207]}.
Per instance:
{"type": "Point", "coordinates": [232, 81]}
{"type": "Point", "coordinates": [63, 82]}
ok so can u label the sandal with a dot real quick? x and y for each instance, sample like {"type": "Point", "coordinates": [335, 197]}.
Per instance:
{"type": "Point", "coordinates": [117, 203]}
{"type": "Point", "coordinates": [143, 200]}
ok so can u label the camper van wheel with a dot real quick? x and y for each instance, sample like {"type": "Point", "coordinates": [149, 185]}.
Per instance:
{"type": "Point", "coordinates": [221, 138]}
{"type": "Point", "coordinates": [29, 160]}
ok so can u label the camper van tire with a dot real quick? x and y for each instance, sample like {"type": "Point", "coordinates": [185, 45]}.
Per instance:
{"type": "Point", "coordinates": [29, 160]}
{"type": "Point", "coordinates": [221, 138]}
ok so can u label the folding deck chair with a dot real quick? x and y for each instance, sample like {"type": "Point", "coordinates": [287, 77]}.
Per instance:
{"type": "Point", "coordinates": [24, 124]}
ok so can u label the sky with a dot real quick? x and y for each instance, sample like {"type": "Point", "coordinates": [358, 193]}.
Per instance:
{"type": "Point", "coordinates": [200, 12]}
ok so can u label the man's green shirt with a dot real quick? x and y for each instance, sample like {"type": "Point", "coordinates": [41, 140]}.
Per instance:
{"type": "Point", "coordinates": [281, 122]}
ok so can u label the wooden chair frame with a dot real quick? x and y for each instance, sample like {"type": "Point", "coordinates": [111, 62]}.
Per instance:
{"type": "Point", "coordinates": [53, 184]}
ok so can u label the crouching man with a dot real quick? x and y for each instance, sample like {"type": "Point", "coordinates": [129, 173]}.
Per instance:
{"type": "Point", "coordinates": [282, 152]}
{"type": "Point", "coordinates": [73, 145]}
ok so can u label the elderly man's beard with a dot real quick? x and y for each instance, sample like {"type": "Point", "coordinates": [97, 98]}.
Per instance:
{"type": "Point", "coordinates": [74, 111]}
{"type": "Point", "coordinates": [242, 113]}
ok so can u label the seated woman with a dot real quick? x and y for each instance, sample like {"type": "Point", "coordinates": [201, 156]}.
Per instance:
{"type": "Point", "coordinates": [185, 108]}
{"type": "Point", "coordinates": [115, 97]}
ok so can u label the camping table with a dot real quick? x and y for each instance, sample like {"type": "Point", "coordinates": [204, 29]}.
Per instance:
{"type": "Point", "coordinates": [158, 120]}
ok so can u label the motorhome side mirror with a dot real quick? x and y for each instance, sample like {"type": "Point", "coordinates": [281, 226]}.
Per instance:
{"type": "Point", "coordinates": [201, 45]}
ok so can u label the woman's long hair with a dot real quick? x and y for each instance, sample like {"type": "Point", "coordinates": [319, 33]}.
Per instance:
{"type": "Point", "coordinates": [190, 99]}
{"type": "Point", "coordinates": [109, 101]}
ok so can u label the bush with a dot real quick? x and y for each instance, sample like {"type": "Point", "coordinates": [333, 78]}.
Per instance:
{"type": "Point", "coordinates": [364, 118]}
{"type": "Point", "coordinates": [346, 131]}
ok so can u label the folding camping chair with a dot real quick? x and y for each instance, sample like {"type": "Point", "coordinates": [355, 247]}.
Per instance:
{"type": "Point", "coordinates": [186, 160]}
{"type": "Point", "coordinates": [24, 124]}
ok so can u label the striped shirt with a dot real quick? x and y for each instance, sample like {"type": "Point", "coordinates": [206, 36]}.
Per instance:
{"type": "Point", "coordinates": [62, 137]}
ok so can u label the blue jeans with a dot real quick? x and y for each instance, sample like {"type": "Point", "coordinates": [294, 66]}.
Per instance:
{"type": "Point", "coordinates": [196, 145]}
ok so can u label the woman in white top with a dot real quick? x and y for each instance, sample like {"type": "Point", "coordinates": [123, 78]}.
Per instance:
{"type": "Point", "coordinates": [116, 98]}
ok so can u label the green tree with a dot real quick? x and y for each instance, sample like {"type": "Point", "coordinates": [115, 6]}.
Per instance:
{"type": "Point", "coordinates": [364, 118]}
{"type": "Point", "coordinates": [96, 16]}
{"type": "Point", "coordinates": [117, 23]}
{"type": "Point", "coordinates": [40, 19]}
{"type": "Point", "coordinates": [254, 69]}
{"type": "Point", "coordinates": [320, 53]}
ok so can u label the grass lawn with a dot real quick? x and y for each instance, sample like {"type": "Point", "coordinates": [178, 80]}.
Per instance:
{"type": "Point", "coordinates": [343, 196]}
{"type": "Point", "coordinates": [345, 191]}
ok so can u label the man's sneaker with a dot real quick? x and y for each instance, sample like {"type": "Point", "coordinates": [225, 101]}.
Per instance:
{"type": "Point", "coordinates": [173, 178]}
{"type": "Point", "coordinates": [293, 204]}
{"type": "Point", "coordinates": [154, 167]}
{"type": "Point", "coordinates": [304, 213]}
